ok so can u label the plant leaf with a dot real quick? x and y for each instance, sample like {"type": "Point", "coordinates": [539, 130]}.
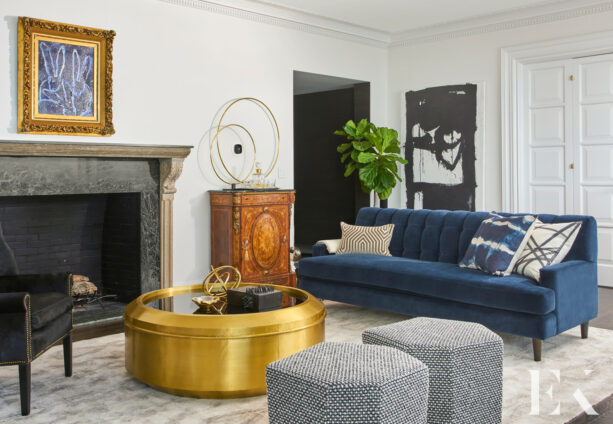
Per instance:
{"type": "Point", "coordinates": [393, 148]}
{"type": "Point", "coordinates": [388, 136]}
{"type": "Point", "coordinates": [339, 132]}
{"type": "Point", "coordinates": [345, 156]}
{"type": "Point", "coordinates": [384, 194]}
{"type": "Point", "coordinates": [368, 174]}
{"type": "Point", "coordinates": [362, 126]}
{"type": "Point", "coordinates": [351, 166]}
{"type": "Point", "coordinates": [362, 145]}
{"type": "Point", "coordinates": [365, 157]}
{"type": "Point", "coordinates": [350, 128]}
{"type": "Point", "coordinates": [396, 158]}
{"type": "Point", "coordinates": [343, 147]}
{"type": "Point", "coordinates": [386, 178]}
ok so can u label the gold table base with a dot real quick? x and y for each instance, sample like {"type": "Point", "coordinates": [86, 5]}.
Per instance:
{"type": "Point", "coordinates": [215, 356]}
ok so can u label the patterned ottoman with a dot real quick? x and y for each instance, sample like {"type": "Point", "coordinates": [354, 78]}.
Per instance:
{"type": "Point", "coordinates": [347, 383]}
{"type": "Point", "coordinates": [465, 364]}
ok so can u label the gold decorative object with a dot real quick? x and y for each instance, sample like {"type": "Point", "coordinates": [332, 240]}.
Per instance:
{"type": "Point", "coordinates": [207, 303]}
{"type": "Point", "coordinates": [230, 178]}
{"type": "Point", "coordinates": [220, 280]}
{"type": "Point", "coordinates": [165, 349]}
{"type": "Point", "coordinates": [64, 79]}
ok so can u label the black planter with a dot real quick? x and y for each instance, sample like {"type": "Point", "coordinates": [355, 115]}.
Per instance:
{"type": "Point", "coordinates": [383, 203]}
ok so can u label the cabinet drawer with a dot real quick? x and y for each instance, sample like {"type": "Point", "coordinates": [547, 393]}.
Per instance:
{"type": "Point", "coordinates": [264, 198]}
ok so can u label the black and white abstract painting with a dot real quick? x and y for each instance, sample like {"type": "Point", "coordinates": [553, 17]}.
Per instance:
{"type": "Point", "coordinates": [441, 127]}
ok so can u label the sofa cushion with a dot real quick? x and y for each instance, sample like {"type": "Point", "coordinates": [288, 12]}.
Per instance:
{"type": "Point", "coordinates": [46, 307]}
{"type": "Point", "coordinates": [547, 245]}
{"type": "Point", "coordinates": [498, 243]}
{"type": "Point", "coordinates": [435, 279]}
{"type": "Point", "coordinates": [365, 239]}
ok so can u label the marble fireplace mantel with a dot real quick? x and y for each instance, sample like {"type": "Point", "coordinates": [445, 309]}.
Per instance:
{"type": "Point", "coordinates": [170, 166]}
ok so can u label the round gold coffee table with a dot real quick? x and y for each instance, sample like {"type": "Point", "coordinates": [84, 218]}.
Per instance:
{"type": "Point", "coordinates": [215, 355]}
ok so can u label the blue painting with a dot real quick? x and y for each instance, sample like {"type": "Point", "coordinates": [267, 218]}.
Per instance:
{"type": "Point", "coordinates": [65, 79]}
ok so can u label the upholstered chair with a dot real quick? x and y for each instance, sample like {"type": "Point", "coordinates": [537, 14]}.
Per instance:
{"type": "Point", "coordinates": [35, 314]}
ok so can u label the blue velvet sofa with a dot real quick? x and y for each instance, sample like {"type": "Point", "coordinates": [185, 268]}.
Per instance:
{"type": "Point", "coordinates": [422, 277]}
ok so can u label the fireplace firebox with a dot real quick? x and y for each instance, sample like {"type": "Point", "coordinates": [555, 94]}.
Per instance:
{"type": "Point", "coordinates": [94, 236]}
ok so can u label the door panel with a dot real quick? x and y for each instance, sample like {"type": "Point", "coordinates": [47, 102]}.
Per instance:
{"type": "Point", "coordinates": [597, 165]}
{"type": "Point", "coordinates": [547, 86]}
{"type": "Point", "coordinates": [547, 126]}
{"type": "Point", "coordinates": [596, 79]}
{"type": "Point", "coordinates": [547, 165]}
{"type": "Point", "coordinates": [598, 202]}
{"type": "Point", "coordinates": [597, 123]}
{"type": "Point", "coordinates": [548, 199]}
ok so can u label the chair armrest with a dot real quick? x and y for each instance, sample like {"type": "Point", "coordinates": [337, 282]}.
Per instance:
{"type": "Point", "coordinates": [13, 302]}
{"type": "Point", "coordinates": [575, 284]}
{"type": "Point", "coordinates": [36, 283]}
{"type": "Point", "coordinates": [319, 249]}
{"type": "Point", "coordinates": [326, 247]}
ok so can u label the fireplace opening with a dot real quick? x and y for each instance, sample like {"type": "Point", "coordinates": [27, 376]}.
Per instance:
{"type": "Point", "coordinates": [96, 237]}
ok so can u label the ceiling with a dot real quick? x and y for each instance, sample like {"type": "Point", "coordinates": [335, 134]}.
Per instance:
{"type": "Point", "coordinates": [396, 16]}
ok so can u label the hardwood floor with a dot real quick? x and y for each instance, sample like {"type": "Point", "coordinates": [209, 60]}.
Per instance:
{"type": "Point", "coordinates": [605, 309]}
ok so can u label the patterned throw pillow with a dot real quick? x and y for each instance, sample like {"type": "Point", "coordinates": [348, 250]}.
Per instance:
{"type": "Point", "coordinates": [547, 245]}
{"type": "Point", "coordinates": [497, 244]}
{"type": "Point", "coordinates": [372, 240]}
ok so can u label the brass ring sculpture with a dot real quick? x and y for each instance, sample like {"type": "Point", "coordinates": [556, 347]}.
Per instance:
{"type": "Point", "coordinates": [217, 282]}
{"type": "Point", "coordinates": [216, 137]}
{"type": "Point", "coordinates": [221, 127]}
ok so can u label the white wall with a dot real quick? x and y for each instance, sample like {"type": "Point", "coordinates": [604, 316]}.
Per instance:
{"type": "Point", "coordinates": [474, 59]}
{"type": "Point", "coordinates": [173, 67]}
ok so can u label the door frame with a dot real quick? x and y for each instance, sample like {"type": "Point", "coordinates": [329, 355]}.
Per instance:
{"type": "Point", "coordinates": [512, 60]}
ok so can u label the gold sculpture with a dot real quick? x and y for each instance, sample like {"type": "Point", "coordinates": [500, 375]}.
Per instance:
{"type": "Point", "coordinates": [220, 280]}
{"type": "Point", "coordinates": [215, 287]}
{"type": "Point", "coordinates": [221, 127]}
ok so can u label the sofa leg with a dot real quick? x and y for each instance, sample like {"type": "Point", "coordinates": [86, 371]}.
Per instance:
{"type": "Point", "coordinates": [584, 329]}
{"type": "Point", "coordinates": [25, 387]}
{"type": "Point", "coordinates": [537, 346]}
{"type": "Point", "coordinates": [68, 355]}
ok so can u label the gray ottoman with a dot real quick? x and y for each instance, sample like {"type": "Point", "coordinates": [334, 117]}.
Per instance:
{"type": "Point", "coordinates": [347, 383]}
{"type": "Point", "coordinates": [465, 364]}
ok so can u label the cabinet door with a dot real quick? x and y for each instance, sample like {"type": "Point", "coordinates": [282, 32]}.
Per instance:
{"type": "Point", "coordinates": [264, 241]}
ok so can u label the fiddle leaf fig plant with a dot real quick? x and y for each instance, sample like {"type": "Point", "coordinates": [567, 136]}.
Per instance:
{"type": "Point", "coordinates": [374, 153]}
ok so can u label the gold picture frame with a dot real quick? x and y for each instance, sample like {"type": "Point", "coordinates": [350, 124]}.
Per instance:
{"type": "Point", "coordinates": [65, 83]}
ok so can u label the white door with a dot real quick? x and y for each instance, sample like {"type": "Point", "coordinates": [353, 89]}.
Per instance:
{"type": "Point", "coordinates": [545, 184]}
{"type": "Point", "coordinates": [593, 151]}
{"type": "Point", "coordinates": [567, 149]}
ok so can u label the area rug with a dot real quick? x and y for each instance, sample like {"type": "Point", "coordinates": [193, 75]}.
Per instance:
{"type": "Point", "coordinates": [604, 413]}
{"type": "Point", "coordinates": [101, 391]}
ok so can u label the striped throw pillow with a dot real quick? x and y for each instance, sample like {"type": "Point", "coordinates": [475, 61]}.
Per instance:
{"type": "Point", "coordinates": [497, 244]}
{"type": "Point", "coordinates": [371, 240]}
{"type": "Point", "coordinates": [547, 245]}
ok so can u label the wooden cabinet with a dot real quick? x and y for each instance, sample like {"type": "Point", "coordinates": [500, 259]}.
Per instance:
{"type": "Point", "coordinates": [251, 231]}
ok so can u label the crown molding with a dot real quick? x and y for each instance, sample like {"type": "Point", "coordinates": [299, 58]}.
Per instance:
{"type": "Point", "coordinates": [287, 18]}
{"type": "Point", "coordinates": [502, 21]}
{"type": "Point", "coordinates": [301, 21]}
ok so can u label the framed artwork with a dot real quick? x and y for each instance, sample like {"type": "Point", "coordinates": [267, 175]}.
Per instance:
{"type": "Point", "coordinates": [443, 132]}
{"type": "Point", "coordinates": [64, 79]}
